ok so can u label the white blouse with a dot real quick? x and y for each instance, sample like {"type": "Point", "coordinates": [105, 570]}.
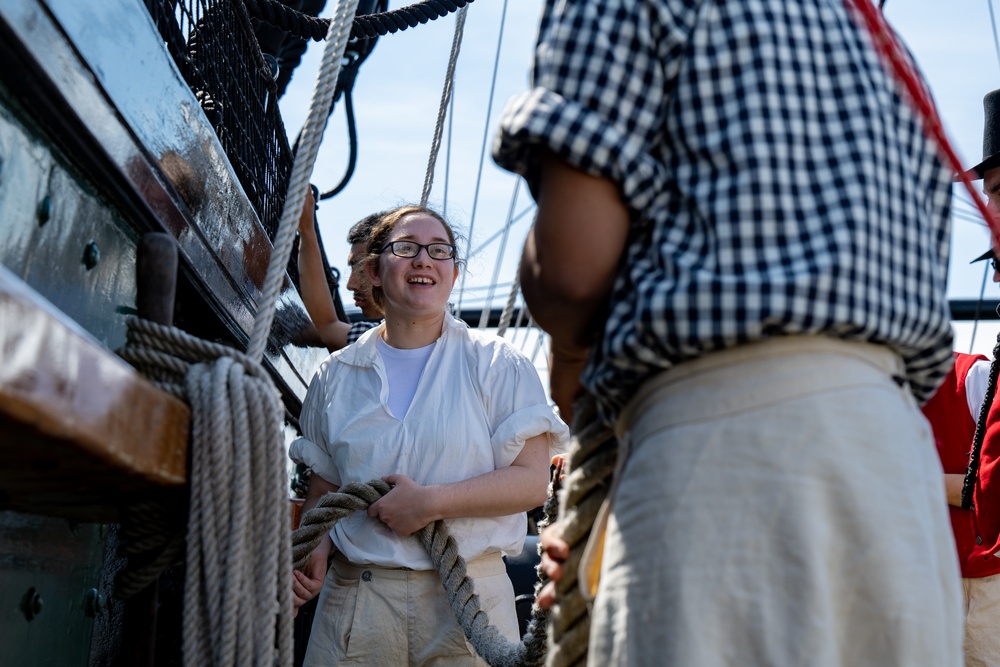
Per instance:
{"type": "Point", "coordinates": [477, 402]}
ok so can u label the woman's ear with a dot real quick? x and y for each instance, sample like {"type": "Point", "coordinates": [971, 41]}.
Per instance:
{"type": "Point", "coordinates": [371, 270]}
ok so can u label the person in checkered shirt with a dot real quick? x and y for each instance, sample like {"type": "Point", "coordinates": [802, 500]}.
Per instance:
{"type": "Point", "coordinates": [334, 333]}
{"type": "Point", "coordinates": [740, 253]}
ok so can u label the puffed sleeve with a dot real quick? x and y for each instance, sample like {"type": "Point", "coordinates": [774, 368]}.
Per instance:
{"type": "Point", "coordinates": [517, 408]}
{"type": "Point", "coordinates": [311, 449]}
{"type": "Point", "coordinates": [598, 94]}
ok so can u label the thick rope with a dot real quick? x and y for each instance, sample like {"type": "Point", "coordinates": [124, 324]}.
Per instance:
{"type": "Point", "coordinates": [451, 567]}
{"type": "Point", "coordinates": [366, 26]}
{"type": "Point", "coordinates": [305, 158]}
{"type": "Point", "coordinates": [449, 85]}
{"type": "Point", "coordinates": [508, 310]}
{"type": "Point", "coordinates": [591, 464]}
{"type": "Point", "coordinates": [237, 602]}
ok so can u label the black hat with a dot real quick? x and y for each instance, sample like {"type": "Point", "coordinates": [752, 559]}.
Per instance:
{"type": "Point", "coordinates": [989, 254]}
{"type": "Point", "coordinates": [991, 136]}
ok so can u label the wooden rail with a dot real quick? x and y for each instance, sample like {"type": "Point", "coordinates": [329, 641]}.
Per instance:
{"type": "Point", "coordinates": [81, 432]}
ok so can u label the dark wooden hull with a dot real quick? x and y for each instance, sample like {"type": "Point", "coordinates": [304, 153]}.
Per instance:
{"type": "Point", "coordinates": [101, 141]}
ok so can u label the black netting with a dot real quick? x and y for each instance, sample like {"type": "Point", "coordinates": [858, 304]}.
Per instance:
{"type": "Point", "coordinates": [214, 46]}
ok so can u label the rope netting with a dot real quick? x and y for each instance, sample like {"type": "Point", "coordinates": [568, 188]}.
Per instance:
{"type": "Point", "coordinates": [237, 595]}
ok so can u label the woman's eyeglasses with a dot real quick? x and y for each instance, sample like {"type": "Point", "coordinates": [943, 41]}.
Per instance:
{"type": "Point", "coordinates": [438, 251]}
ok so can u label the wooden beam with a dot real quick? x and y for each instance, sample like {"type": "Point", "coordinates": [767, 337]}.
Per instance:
{"type": "Point", "coordinates": [81, 432]}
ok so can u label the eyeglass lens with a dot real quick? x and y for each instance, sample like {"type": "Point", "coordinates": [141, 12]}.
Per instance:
{"type": "Point", "coordinates": [411, 249]}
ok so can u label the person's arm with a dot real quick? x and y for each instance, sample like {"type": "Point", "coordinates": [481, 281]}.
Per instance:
{"type": "Point", "coordinates": [953, 483]}
{"type": "Point", "coordinates": [312, 281]}
{"type": "Point", "coordinates": [522, 486]}
{"type": "Point", "coordinates": [307, 584]}
{"type": "Point", "coordinates": [568, 266]}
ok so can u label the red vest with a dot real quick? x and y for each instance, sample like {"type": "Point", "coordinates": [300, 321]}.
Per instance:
{"type": "Point", "coordinates": [954, 429]}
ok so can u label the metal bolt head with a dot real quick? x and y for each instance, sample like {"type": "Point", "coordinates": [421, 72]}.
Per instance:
{"type": "Point", "coordinates": [44, 211]}
{"type": "Point", "coordinates": [31, 603]}
{"type": "Point", "coordinates": [91, 255]}
{"type": "Point", "coordinates": [94, 603]}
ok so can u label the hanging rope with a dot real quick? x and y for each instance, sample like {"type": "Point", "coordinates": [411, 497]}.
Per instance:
{"type": "Point", "coordinates": [591, 463]}
{"type": "Point", "coordinates": [366, 26]}
{"type": "Point", "coordinates": [443, 550]}
{"type": "Point", "coordinates": [237, 602]}
{"type": "Point", "coordinates": [449, 84]}
{"type": "Point", "coordinates": [487, 305]}
{"type": "Point", "coordinates": [305, 158]}
{"type": "Point", "coordinates": [482, 150]}
{"type": "Point", "coordinates": [888, 46]}
{"type": "Point", "coordinates": [508, 309]}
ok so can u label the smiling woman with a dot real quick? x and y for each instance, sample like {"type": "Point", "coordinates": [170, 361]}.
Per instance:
{"type": "Point", "coordinates": [412, 268]}
{"type": "Point", "coordinates": [457, 422]}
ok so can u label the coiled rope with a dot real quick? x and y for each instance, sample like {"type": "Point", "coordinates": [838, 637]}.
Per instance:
{"type": "Point", "coordinates": [591, 463]}
{"type": "Point", "coordinates": [497, 650]}
{"type": "Point", "coordinates": [236, 593]}
{"type": "Point", "coordinates": [449, 86]}
{"type": "Point", "coordinates": [366, 26]}
{"type": "Point", "coordinates": [237, 602]}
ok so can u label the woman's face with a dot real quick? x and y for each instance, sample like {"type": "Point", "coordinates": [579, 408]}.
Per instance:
{"type": "Point", "coordinates": [418, 285]}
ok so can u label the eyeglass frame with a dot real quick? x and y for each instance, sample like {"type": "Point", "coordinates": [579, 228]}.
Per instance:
{"type": "Point", "coordinates": [420, 246]}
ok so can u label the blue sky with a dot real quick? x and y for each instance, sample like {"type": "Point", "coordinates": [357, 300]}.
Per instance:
{"type": "Point", "coordinates": [398, 91]}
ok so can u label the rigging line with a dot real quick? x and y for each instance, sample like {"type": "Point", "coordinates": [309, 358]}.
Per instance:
{"type": "Point", "coordinates": [503, 248]}
{"type": "Point", "coordinates": [538, 341]}
{"type": "Point", "coordinates": [520, 318]}
{"type": "Point", "coordinates": [961, 197]}
{"type": "Point", "coordinates": [498, 233]}
{"type": "Point", "coordinates": [449, 84]}
{"type": "Point", "coordinates": [887, 44]}
{"type": "Point", "coordinates": [447, 157]}
{"type": "Point", "coordinates": [982, 291]}
{"type": "Point", "coordinates": [479, 288]}
{"type": "Point", "coordinates": [993, 22]}
{"type": "Point", "coordinates": [966, 216]}
{"type": "Point", "coordinates": [482, 150]}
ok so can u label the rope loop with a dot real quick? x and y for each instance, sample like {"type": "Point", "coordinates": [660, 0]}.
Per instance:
{"type": "Point", "coordinates": [237, 601]}
{"type": "Point", "coordinates": [450, 566]}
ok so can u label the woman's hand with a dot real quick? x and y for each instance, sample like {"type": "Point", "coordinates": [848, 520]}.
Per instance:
{"type": "Point", "coordinates": [307, 584]}
{"type": "Point", "coordinates": [307, 219]}
{"type": "Point", "coordinates": [406, 508]}
{"type": "Point", "coordinates": [555, 551]}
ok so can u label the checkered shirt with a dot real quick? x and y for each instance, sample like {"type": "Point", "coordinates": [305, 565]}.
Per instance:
{"type": "Point", "coordinates": [359, 328]}
{"type": "Point", "coordinates": [777, 182]}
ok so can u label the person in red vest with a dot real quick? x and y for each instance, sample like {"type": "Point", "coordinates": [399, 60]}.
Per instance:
{"type": "Point", "coordinates": [954, 412]}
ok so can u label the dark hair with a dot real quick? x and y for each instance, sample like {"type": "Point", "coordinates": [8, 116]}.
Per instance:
{"type": "Point", "coordinates": [379, 236]}
{"type": "Point", "coordinates": [362, 229]}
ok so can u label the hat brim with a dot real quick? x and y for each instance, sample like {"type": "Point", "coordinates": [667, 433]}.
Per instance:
{"type": "Point", "coordinates": [989, 254]}
{"type": "Point", "coordinates": [980, 169]}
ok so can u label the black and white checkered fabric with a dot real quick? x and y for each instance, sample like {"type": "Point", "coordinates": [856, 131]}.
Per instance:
{"type": "Point", "coordinates": [358, 328]}
{"type": "Point", "coordinates": [777, 181]}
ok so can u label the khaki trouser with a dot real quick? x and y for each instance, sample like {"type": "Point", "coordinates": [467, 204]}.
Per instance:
{"type": "Point", "coordinates": [982, 621]}
{"type": "Point", "coordinates": [368, 615]}
{"type": "Point", "coordinates": [782, 505]}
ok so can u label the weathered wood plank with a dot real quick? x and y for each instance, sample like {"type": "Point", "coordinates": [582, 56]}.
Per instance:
{"type": "Point", "coordinates": [80, 431]}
